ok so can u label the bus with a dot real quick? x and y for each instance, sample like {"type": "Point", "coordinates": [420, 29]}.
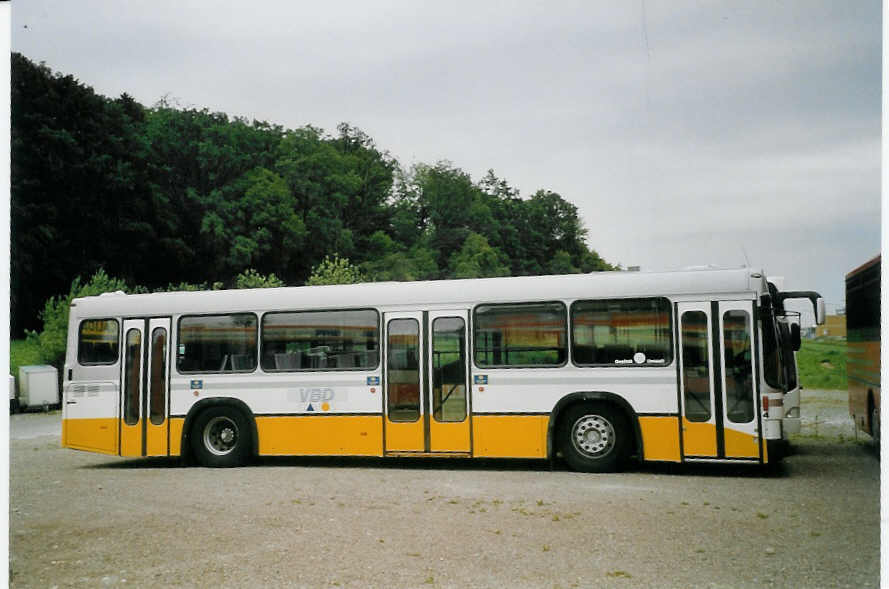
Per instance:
{"type": "Point", "coordinates": [592, 369]}
{"type": "Point", "coordinates": [863, 346]}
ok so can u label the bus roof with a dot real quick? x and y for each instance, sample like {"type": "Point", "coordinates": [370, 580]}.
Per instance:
{"type": "Point", "coordinates": [430, 293]}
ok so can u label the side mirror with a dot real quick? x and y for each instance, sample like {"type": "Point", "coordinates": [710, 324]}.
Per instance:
{"type": "Point", "coordinates": [819, 311]}
{"type": "Point", "coordinates": [796, 341]}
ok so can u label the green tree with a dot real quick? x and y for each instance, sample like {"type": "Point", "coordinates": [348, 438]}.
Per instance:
{"type": "Point", "coordinates": [335, 271]}
{"type": "Point", "coordinates": [253, 222]}
{"type": "Point", "coordinates": [561, 264]}
{"type": "Point", "coordinates": [477, 259]}
{"type": "Point", "coordinates": [78, 185]}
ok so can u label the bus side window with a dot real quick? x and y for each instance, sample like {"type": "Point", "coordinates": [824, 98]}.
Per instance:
{"type": "Point", "coordinates": [217, 343]}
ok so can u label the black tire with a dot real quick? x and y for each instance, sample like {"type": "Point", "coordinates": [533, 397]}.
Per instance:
{"type": "Point", "coordinates": [594, 437]}
{"type": "Point", "coordinates": [875, 428]}
{"type": "Point", "coordinates": [221, 438]}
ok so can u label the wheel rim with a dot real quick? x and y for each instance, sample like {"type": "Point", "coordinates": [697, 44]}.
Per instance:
{"type": "Point", "coordinates": [593, 436]}
{"type": "Point", "coordinates": [220, 435]}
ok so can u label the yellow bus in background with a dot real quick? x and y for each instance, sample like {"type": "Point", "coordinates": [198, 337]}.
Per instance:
{"type": "Point", "coordinates": [863, 346]}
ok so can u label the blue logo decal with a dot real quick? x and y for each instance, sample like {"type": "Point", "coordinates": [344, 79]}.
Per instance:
{"type": "Point", "coordinates": [310, 408]}
{"type": "Point", "coordinates": [373, 381]}
{"type": "Point", "coordinates": [197, 384]}
{"type": "Point", "coordinates": [481, 379]}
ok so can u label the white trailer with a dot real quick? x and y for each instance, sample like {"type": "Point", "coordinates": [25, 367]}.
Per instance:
{"type": "Point", "coordinates": [38, 386]}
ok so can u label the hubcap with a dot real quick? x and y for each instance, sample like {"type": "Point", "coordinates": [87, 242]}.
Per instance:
{"type": "Point", "coordinates": [593, 436]}
{"type": "Point", "coordinates": [220, 435]}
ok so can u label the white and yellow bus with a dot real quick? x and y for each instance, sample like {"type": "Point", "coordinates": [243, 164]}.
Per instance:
{"type": "Point", "coordinates": [594, 369]}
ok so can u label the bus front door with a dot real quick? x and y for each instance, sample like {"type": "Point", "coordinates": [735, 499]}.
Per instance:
{"type": "Point", "coordinates": [426, 402]}
{"type": "Point", "coordinates": [718, 381]}
{"type": "Point", "coordinates": [144, 385]}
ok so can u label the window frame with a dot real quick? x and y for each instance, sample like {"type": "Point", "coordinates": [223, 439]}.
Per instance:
{"type": "Point", "coordinates": [670, 324]}
{"type": "Point", "coordinates": [475, 324]}
{"type": "Point", "coordinates": [80, 335]}
{"type": "Point", "coordinates": [261, 326]}
{"type": "Point", "coordinates": [179, 342]}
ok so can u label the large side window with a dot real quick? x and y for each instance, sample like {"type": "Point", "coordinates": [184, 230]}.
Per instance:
{"type": "Point", "coordinates": [97, 342]}
{"type": "Point", "coordinates": [616, 332]}
{"type": "Point", "coordinates": [522, 334]}
{"type": "Point", "coordinates": [320, 340]}
{"type": "Point", "coordinates": [217, 343]}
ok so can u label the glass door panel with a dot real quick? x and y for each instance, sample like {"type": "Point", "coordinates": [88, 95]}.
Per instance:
{"type": "Point", "coordinates": [131, 390]}
{"type": "Point", "coordinates": [157, 425]}
{"type": "Point", "coordinates": [449, 425]}
{"type": "Point", "coordinates": [738, 381]}
{"type": "Point", "coordinates": [404, 381]}
{"type": "Point", "coordinates": [699, 431]}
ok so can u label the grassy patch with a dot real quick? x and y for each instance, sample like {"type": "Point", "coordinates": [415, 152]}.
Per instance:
{"type": "Point", "coordinates": [822, 364]}
{"type": "Point", "coordinates": [23, 352]}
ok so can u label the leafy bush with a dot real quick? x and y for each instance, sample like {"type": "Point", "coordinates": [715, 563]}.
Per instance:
{"type": "Point", "coordinates": [55, 314]}
{"type": "Point", "coordinates": [335, 271]}
{"type": "Point", "coordinates": [250, 278]}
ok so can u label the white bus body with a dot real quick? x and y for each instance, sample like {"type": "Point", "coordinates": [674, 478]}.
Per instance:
{"type": "Point", "coordinates": [593, 368]}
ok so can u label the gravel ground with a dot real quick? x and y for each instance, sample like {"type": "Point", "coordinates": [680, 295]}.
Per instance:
{"type": "Point", "coordinates": [79, 519]}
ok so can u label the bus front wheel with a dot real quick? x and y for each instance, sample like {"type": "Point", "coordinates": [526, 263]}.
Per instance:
{"type": "Point", "coordinates": [594, 437]}
{"type": "Point", "coordinates": [220, 438]}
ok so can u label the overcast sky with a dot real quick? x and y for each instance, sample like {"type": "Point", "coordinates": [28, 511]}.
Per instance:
{"type": "Point", "coordinates": [687, 133]}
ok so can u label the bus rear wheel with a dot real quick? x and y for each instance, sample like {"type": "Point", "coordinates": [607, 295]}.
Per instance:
{"type": "Point", "coordinates": [594, 437]}
{"type": "Point", "coordinates": [220, 438]}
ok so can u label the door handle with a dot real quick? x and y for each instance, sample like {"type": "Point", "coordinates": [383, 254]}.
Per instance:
{"type": "Point", "coordinates": [70, 402]}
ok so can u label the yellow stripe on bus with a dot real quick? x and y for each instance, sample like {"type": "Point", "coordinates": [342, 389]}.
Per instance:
{"type": "Point", "coordinates": [510, 436]}
{"type": "Point", "coordinates": [330, 435]}
{"type": "Point", "coordinates": [660, 438]}
{"type": "Point", "coordinates": [740, 444]}
{"type": "Point", "coordinates": [405, 436]}
{"type": "Point", "coordinates": [94, 434]}
{"type": "Point", "coordinates": [449, 436]}
{"type": "Point", "coordinates": [176, 425]}
{"type": "Point", "coordinates": [698, 438]}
